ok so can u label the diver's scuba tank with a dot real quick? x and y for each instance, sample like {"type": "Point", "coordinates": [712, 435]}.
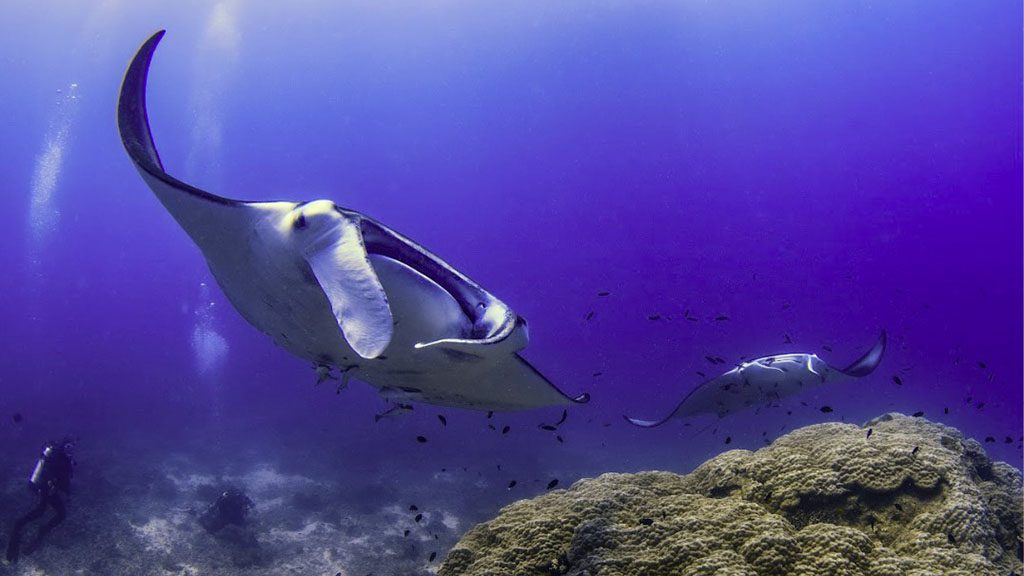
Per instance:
{"type": "Point", "coordinates": [53, 469]}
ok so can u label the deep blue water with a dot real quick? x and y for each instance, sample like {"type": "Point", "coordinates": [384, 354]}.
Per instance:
{"type": "Point", "coordinates": [817, 170]}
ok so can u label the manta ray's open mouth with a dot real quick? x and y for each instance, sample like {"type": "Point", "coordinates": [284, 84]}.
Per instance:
{"type": "Point", "coordinates": [490, 318]}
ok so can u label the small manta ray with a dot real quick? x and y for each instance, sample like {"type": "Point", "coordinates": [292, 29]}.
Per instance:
{"type": "Point", "coordinates": [766, 380]}
{"type": "Point", "coordinates": [339, 289]}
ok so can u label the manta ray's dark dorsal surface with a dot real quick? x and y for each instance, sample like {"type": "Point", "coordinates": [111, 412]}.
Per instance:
{"type": "Point", "coordinates": [344, 291]}
{"type": "Point", "coordinates": [764, 381]}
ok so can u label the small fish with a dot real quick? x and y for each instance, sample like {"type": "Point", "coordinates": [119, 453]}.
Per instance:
{"type": "Point", "coordinates": [826, 409]}
{"type": "Point", "coordinates": [728, 439]}
{"type": "Point", "coordinates": [432, 556]}
{"type": "Point", "coordinates": [647, 521]}
{"type": "Point", "coordinates": [565, 414]}
{"type": "Point", "coordinates": [989, 439]}
{"type": "Point", "coordinates": [701, 374]}
{"type": "Point", "coordinates": [982, 365]}
{"type": "Point", "coordinates": [945, 410]}
{"type": "Point", "coordinates": [396, 410]}
{"type": "Point", "coordinates": [418, 517]}
{"type": "Point", "coordinates": [897, 506]}
{"type": "Point", "coordinates": [323, 373]}
{"type": "Point", "coordinates": [603, 293]}
{"type": "Point", "coordinates": [16, 417]}
{"type": "Point", "coordinates": [547, 427]}
{"type": "Point", "coordinates": [596, 374]}
{"type": "Point", "coordinates": [421, 439]}
{"type": "Point", "coordinates": [787, 339]}
{"type": "Point", "coordinates": [919, 413]}
{"type": "Point", "coordinates": [951, 539]}
{"type": "Point", "coordinates": [559, 438]}
{"type": "Point", "coordinates": [721, 317]}
{"type": "Point", "coordinates": [979, 405]}
{"type": "Point", "coordinates": [505, 430]}
{"type": "Point", "coordinates": [553, 483]}
{"type": "Point", "coordinates": [443, 420]}
{"type": "Point", "coordinates": [827, 348]}
{"type": "Point", "coordinates": [1008, 440]}
{"type": "Point", "coordinates": [413, 508]}
{"type": "Point", "coordinates": [490, 413]}
{"type": "Point", "coordinates": [869, 433]}
{"type": "Point", "coordinates": [914, 451]}
{"type": "Point", "coordinates": [512, 485]}
{"type": "Point", "coordinates": [499, 467]}
{"type": "Point", "coordinates": [491, 426]}
{"type": "Point", "coordinates": [589, 316]}
{"type": "Point", "coordinates": [654, 317]}
{"type": "Point", "coordinates": [897, 380]}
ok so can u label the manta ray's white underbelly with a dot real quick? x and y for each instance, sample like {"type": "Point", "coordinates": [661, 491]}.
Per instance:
{"type": "Point", "coordinates": [756, 383]}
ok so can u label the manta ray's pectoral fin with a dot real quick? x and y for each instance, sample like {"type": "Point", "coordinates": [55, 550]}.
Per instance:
{"type": "Point", "coordinates": [867, 363]}
{"type": "Point", "coordinates": [339, 261]}
{"type": "Point", "coordinates": [652, 423]}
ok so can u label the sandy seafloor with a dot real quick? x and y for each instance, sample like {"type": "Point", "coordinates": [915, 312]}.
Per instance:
{"type": "Point", "coordinates": [327, 500]}
{"type": "Point", "coordinates": [143, 520]}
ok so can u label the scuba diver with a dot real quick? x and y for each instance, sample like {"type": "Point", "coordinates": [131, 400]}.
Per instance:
{"type": "Point", "coordinates": [51, 476]}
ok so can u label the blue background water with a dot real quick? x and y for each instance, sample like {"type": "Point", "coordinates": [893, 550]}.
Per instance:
{"type": "Point", "coordinates": [821, 170]}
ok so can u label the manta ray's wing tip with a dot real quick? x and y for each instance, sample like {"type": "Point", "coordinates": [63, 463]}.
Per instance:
{"type": "Point", "coordinates": [156, 36]}
{"type": "Point", "coordinates": [132, 118]}
{"type": "Point", "coordinates": [582, 398]}
{"type": "Point", "coordinates": [867, 363]}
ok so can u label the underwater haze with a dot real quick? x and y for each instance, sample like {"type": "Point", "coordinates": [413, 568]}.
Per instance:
{"type": "Point", "coordinates": [654, 186]}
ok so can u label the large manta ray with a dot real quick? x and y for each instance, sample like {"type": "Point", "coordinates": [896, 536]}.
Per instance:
{"type": "Point", "coordinates": [764, 381]}
{"type": "Point", "coordinates": [344, 291]}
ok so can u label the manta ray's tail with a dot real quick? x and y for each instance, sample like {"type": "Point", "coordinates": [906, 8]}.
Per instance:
{"type": "Point", "coordinates": [867, 363]}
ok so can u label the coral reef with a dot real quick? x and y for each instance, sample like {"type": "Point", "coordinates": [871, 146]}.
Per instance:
{"type": "Point", "coordinates": [911, 498]}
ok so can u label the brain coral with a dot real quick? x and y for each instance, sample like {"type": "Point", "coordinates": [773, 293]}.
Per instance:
{"type": "Point", "coordinates": [914, 498]}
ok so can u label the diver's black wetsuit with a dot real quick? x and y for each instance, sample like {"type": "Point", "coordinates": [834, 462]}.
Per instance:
{"type": "Point", "coordinates": [51, 476]}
